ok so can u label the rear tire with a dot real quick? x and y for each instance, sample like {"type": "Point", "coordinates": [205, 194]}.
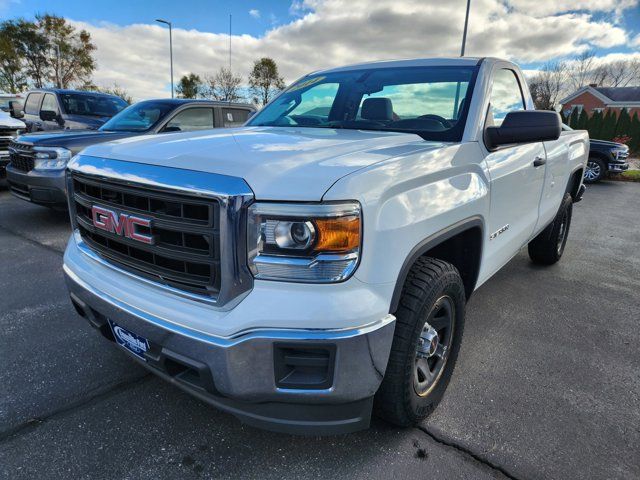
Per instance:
{"type": "Point", "coordinates": [428, 333]}
{"type": "Point", "coordinates": [547, 248]}
{"type": "Point", "coordinates": [596, 170]}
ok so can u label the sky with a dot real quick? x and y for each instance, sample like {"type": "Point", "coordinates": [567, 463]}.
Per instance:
{"type": "Point", "coordinates": [307, 35]}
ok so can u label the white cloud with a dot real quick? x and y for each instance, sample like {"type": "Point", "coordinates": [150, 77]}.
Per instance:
{"type": "Point", "coordinates": [635, 42]}
{"type": "Point", "coordinates": [255, 13]}
{"type": "Point", "coordinates": [328, 33]}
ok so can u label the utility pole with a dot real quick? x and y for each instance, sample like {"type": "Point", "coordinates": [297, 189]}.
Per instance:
{"type": "Point", "coordinates": [464, 34]}
{"type": "Point", "coordinates": [58, 66]}
{"type": "Point", "coordinates": [229, 42]}
{"type": "Point", "coordinates": [159, 20]}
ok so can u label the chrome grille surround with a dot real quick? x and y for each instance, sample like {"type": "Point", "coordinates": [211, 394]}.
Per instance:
{"type": "Point", "coordinates": [228, 196]}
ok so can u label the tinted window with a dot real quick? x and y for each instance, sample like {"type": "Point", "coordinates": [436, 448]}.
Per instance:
{"type": "Point", "coordinates": [49, 103]}
{"type": "Point", "coordinates": [192, 119]}
{"type": "Point", "coordinates": [234, 117]}
{"type": "Point", "coordinates": [139, 117]}
{"type": "Point", "coordinates": [429, 101]}
{"type": "Point", "coordinates": [92, 105]}
{"type": "Point", "coordinates": [506, 96]}
{"type": "Point", "coordinates": [32, 103]}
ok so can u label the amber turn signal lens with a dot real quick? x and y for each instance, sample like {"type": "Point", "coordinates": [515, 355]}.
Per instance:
{"type": "Point", "coordinates": [338, 234]}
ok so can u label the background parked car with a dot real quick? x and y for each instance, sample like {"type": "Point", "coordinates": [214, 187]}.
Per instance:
{"type": "Point", "coordinates": [10, 128]}
{"type": "Point", "coordinates": [38, 160]}
{"type": "Point", "coordinates": [56, 109]}
{"type": "Point", "coordinates": [604, 158]}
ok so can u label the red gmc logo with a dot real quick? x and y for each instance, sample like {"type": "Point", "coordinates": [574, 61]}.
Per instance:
{"type": "Point", "coordinates": [121, 224]}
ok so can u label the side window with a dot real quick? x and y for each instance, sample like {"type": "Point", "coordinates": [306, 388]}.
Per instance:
{"type": "Point", "coordinates": [32, 104]}
{"type": "Point", "coordinates": [506, 96]}
{"type": "Point", "coordinates": [49, 103]}
{"type": "Point", "coordinates": [191, 119]}
{"type": "Point", "coordinates": [234, 117]}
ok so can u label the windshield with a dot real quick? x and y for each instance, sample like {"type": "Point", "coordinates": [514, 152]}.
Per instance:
{"type": "Point", "coordinates": [429, 101]}
{"type": "Point", "coordinates": [92, 105]}
{"type": "Point", "coordinates": [138, 118]}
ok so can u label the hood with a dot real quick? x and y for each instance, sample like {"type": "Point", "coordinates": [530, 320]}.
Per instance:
{"type": "Point", "coordinates": [7, 120]}
{"type": "Point", "coordinates": [605, 143]}
{"type": "Point", "coordinates": [74, 140]}
{"type": "Point", "coordinates": [278, 163]}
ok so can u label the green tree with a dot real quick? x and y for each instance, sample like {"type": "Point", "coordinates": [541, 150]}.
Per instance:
{"type": "Point", "coordinates": [573, 118]}
{"type": "Point", "coordinates": [190, 86]}
{"type": "Point", "coordinates": [32, 48]}
{"type": "Point", "coordinates": [47, 51]}
{"type": "Point", "coordinates": [594, 125]}
{"type": "Point", "coordinates": [583, 120]}
{"type": "Point", "coordinates": [70, 53]}
{"type": "Point", "coordinates": [635, 133]}
{"type": "Point", "coordinates": [623, 126]}
{"type": "Point", "coordinates": [12, 75]}
{"type": "Point", "coordinates": [608, 125]}
{"type": "Point", "coordinates": [265, 80]}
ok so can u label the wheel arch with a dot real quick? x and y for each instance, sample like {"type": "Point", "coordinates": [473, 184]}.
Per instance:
{"type": "Point", "coordinates": [459, 244]}
{"type": "Point", "coordinates": [574, 182]}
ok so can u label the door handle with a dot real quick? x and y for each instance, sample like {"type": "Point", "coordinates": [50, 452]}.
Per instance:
{"type": "Point", "coordinates": [539, 161]}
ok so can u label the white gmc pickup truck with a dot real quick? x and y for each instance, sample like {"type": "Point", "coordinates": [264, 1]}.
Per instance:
{"type": "Point", "coordinates": [313, 266]}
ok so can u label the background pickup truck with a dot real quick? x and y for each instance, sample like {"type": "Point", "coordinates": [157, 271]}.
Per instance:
{"type": "Point", "coordinates": [39, 160]}
{"type": "Point", "coordinates": [314, 265]}
{"type": "Point", "coordinates": [49, 109]}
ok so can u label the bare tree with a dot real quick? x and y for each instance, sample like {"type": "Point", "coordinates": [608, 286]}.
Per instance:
{"type": "Point", "coordinates": [548, 85]}
{"type": "Point", "coordinates": [581, 69]}
{"type": "Point", "coordinates": [224, 86]}
{"type": "Point", "coordinates": [621, 73]}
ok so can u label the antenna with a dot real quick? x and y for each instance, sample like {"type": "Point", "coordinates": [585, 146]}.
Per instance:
{"type": "Point", "coordinates": [229, 42]}
{"type": "Point", "coordinates": [464, 34]}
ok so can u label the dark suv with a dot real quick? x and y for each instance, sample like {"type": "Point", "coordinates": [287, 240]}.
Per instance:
{"type": "Point", "coordinates": [38, 160]}
{"type": "Point", "coordinates": [56, 109]}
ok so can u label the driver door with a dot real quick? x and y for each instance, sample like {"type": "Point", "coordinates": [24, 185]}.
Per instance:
{"type": "Point", "coordinates": [516, 184]}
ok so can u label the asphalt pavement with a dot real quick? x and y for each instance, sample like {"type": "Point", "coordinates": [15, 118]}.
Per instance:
{"type": "Point", "coordinates": [547, 383]}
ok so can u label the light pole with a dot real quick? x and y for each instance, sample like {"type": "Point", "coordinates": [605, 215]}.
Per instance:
{"type": "Point", "coordinates": [466, 23]}
{"type": "Point", "coordinates": [159, 20]}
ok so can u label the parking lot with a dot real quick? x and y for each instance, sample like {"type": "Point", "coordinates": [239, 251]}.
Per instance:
{"type": "Point", "coordinates": [546, 385]}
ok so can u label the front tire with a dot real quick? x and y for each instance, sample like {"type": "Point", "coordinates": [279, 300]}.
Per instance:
{"type": "Point", "coordinates": [428, 333]}
{"type": "Point", "coordinates": [547, 248]}
{"type": "Point", "coordinates": [596, 170]}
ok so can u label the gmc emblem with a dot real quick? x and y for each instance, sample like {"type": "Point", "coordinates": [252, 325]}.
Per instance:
{"type": "Point", "coordinates": [121, 224]}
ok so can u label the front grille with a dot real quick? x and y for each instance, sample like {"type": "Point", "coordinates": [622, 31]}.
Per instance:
{"type": "Point", "coordinates": [21, 156]}
{"type": "Point", "coordinates": [6, 137]}
{"type": "Point", "coordinates": [185, 229]}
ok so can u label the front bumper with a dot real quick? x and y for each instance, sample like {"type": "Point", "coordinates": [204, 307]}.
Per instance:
{"type": "Point", "coordinates": [618, 167]}
{"type": "Point", "coordinates": [4, 161]}
{"type": "Point", "coordinates": [243, 373]}
{"type": "Point", "coordinates": [42, 188]}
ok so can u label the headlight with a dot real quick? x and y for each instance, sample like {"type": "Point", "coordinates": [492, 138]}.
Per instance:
{"type": "Point", "coordinates": [51, 158]}
{"type": "Point", "coordinates": [620, 153]}
{"type": "Point", "coordinates": [303, 242]}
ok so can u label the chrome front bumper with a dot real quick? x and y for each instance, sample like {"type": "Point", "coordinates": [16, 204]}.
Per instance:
{"type": "Point", "coordinates": [618, 167]}
{"type": "Point", "coordinates": [241, 374]}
